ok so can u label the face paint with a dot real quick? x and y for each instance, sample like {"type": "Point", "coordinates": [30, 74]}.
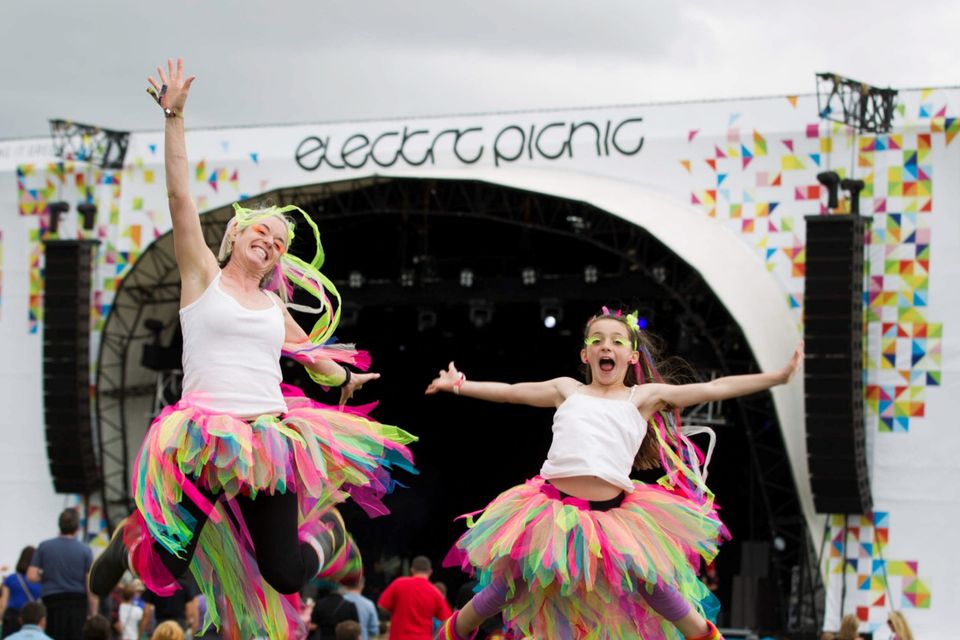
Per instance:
{"type": "Point", "coordinates": [264, 232]}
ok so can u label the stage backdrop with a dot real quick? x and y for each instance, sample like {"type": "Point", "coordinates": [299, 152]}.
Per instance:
{"type": "Point", "coordinates": [722, 183]}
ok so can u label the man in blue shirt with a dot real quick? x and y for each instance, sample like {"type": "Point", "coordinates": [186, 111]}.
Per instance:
{"type": "Point", "coordinates": [33, 616]}
{"type": "Point", "coordinates": [366, 611]}
{"type": "Point", "coordinates": [61, 565]}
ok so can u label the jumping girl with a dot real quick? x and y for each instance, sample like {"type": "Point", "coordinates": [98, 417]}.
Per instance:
{"type": "Point", "coordinates": [583, 551]}
{"type": "Point", "coordinates": [237, 481]}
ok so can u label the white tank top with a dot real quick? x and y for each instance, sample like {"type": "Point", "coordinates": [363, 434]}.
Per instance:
{"type": "Point", "coordinates": [231, 354]}
{"type": "Point", "coordinates": [594, 436]}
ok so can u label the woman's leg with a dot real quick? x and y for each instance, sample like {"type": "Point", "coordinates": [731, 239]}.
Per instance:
{"type": "Point", "coordinates": [285, 562]}
{"type": "Point", "coordinates": [177, 566]}
{"type": "Point", "coordinates": [109, 567]}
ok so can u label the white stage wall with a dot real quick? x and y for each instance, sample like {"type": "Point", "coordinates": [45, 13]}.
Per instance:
{"type": "Point", "coordinates": [724, 184]}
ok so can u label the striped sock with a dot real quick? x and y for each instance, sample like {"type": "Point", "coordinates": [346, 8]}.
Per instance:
{"type": "Point", "coordinates": [449, 630]}
{"type": "Point", "coordinates": [711, 634]}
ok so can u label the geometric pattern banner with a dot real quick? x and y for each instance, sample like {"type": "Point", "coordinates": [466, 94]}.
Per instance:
{"type": "Point", "coordinates": [882, 583]}
{"type": "Point", "coordinates": [761, 186]}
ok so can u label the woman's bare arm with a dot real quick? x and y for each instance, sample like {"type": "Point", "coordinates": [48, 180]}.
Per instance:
{"type": "Point", "coordinates": [196, 262]}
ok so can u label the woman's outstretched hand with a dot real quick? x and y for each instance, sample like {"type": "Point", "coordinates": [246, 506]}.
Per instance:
{"type": "Point", "coordinates": [172, 90]}
{"type": "Point", "coordinates": [445, 381]}
{"type": "Point", "coordinates": [791, 368]}
{"type": "Point", "coordinates": [357, 380]}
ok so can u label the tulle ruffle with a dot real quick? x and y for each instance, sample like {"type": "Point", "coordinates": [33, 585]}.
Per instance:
{"type": "Point", "coordinates": [323, 453]}
{"type": "Point", "coordinates": [575, 573]}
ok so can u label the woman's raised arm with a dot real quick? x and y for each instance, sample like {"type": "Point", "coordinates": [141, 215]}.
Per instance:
{"type": "Point", "coordinates": [196, 262]}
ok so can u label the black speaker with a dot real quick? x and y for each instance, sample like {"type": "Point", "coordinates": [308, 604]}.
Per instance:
{"type": "Point", "coordinates": [833, 366]}
{"type": "Point", "coordinates": [68, 275]}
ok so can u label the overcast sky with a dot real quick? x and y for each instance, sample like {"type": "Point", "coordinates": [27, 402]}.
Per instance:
{"type": "Point", "coordinates": [270, 62]}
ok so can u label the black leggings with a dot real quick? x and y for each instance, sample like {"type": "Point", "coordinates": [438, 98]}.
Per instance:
{"type": "Point", "coordinates": [284, 562]}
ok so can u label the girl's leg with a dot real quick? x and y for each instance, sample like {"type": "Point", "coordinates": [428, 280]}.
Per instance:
{"type": "Point", "coordinates": [485, 604]}
{"type": "Point", "coordinates": [670, 604]}
{"type": "Point", "coordinates": [285, 562]}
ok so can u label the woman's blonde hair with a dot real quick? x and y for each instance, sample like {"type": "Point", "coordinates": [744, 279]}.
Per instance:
{"type": "Point", "coordinates": [168, 630]}
{"type": "Point", "coordinates": [900, 626]}
{"type": "Point", "coordinates": [849, 627]}
{"type": "Point", "coordinates": [226, 244]}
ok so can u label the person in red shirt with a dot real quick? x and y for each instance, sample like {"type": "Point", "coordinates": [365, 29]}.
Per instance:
{"type": "Point", "coordinates": [413, 603]}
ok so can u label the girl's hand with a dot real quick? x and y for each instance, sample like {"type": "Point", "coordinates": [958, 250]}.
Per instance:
{"type": "Point", "coordinates": [172, 91]}
{"type": "Point", "coordinates": [791, 368]}
{"type": "Point", "coordinates": [445, 381]}
{"type": "Point", "coordinates": [357, 380]}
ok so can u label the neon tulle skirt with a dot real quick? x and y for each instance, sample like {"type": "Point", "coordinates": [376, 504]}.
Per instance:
{"type": "Point", "coordinates": [573, 572]}
{"type": "Point", "coordinates": [324, 454]}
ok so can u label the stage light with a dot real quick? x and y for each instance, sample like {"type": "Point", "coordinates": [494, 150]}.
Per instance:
{"type": "Point", "coordinates": [659, 274]}
{"type": "Point", "coordinates": [466, 278]}
{"type": "Point", "coordinates": [853, 187]}
{"type": "Point", "coordinates": [590, 274]}
{"type": "Point", "coordinates": [481, 313]}
{"type": "Point", "coordinates": [528, 276]}
{"type": "Point", "coordinates": [577, 223]}
{"type": "Point", "coordinates": [355, 280]}
{"type": "Point", "coordinates": [349, 315]}
{"type": "Point", "coordinates": [426, 319]}
{"type": "Point", "coordinates": [55, 210]}
{"type": "Point", "coordinates": [88, 212]}
{"type": "Point", "coordinates": [155, 355]}
{"type": "Point", "coordinates": [830, 180]}
{"type": "Point", "coordinates": [551, 313]}
{"type": "Point", "coordinates": [407, 278]}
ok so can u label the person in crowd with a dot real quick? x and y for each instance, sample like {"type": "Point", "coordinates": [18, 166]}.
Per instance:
{"type": "Point", "coordinates": [330, 609]}
{"type": "Point", "coordinates": [16, 592]}
{"type": "Point", "coordinates": [129, 615]}
{"type": "Point", "coordinates": [352, 590]}
{"type": "Point", "coordinates": [582, 546]}
{"type": "Point", "coordinates": [348, 630]}
{"type": "Point", "coordinates": [181, 606]}
{"type": "Point", "coordinates": [61, 566]}
{"type": "Point", "coordinates": [168, 630]}
{"type": "Point", "coordinates": [413, 603]}
{"type": "Point", "coordinates": [237, 481]}
{"type": "Point", "coordinates": [899, 626]}
{"type": "Point", "coordinates": [97, 628]}
{"type": "Point", "coordinates": [849, 628]}
{"type": "Point", "coordinates": [33, 623]}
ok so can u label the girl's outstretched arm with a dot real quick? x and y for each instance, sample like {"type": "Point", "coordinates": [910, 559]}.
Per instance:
{"type": "Point", "coordinates": [549, 393]}
{"type": "Point", "coordinates": [658, 396]}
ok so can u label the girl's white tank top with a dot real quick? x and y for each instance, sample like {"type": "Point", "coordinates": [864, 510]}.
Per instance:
{"type": "Point", "coordinates": [594, 436]}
